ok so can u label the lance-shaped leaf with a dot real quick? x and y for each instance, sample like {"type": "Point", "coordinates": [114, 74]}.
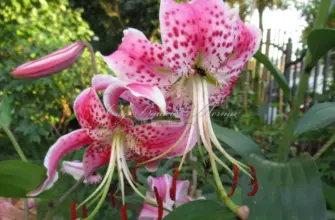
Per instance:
{"type": "Point", "coordinates": [240, 143]}
{"type": "Point", "coordinates": [319, 42]}
{"type": "Point", "coordinates": [277, 74]}
{"type": "Point", "coordinates": [319, 116]}
{"type": "Point", "coordinates": [50, 64]}
{"type": "Point", "coordinates": [287, 191]}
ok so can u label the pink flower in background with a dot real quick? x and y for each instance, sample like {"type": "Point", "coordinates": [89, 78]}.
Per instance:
{"type": "Point", "coordinates": [50, 64]}
{"type": "Point", "coordinates": [13, 209]}
{"type": "Point", "coordinates": [159, 187]}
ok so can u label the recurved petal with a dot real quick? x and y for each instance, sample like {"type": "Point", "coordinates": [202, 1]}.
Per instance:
{"type": "Point", "coordinates": [65, 144]}
{"type": "Point", "coordinates": [179, 28]}
{"type": "Point", "coordinates": [50, 64]}
{"type": "Point", "coordinates": [248, 41]}
{"type": "Point", "coordinates": [182, 192]}
{"type": "Point", "coordinates": [126, 67]}
{"type": "Point", "coordinates": [91, 113]}
{"type": "Point", "coordinates": [117, 88]}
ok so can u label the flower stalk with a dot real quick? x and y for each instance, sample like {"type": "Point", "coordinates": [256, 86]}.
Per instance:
{"type": "Point", "coordinates": [320, 21]}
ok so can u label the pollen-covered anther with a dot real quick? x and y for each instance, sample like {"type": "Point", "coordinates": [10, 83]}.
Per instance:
{"type": "Point", "coordinates": [254, 181]}
{"type": "Point", "coordinates": [124, 212]}
{"type": "Point", "coordinates": [235, 180]}
{"type": "Point", "coordinates": [174, 185]}
{"type": "Point", "coordinates": [159, 203]}
{"type": "Point", "coordinates": [73, 210]}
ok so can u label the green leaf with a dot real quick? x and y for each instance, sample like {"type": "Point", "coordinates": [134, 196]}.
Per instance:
{"type": "Point", "coordinates": [17, 178]}
{"type": "Point", "coordinates": [287, 191]}
{"type": "Point", "coordinates": [329, 193]}
{"type": "Point", "coordinates": [277, 74]}
{"type": "Point", "coordinates": [242, 144]}
{"type": "Point", "coordinates": [201, 210]}
{"type": "Point", "coordinates": [320, 41]}
{"type": "Point", "coordinates": [319, 116]}
{"type": "Point", "coordinates": [5, 108]}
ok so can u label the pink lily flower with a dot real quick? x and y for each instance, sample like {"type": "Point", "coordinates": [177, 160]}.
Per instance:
{"type": "Point", "coordinates": [12, 209]}
{"type": "Point", "coordinates": [204, 48]}
{"type": "Point", "coordinates": [50, 64]}
{"type": "Point", "coordinates": [159, 187]}
{"type": "Point", "coordinates": [76, 170]}
{"type": "Point", "coordinates": [113, 140]}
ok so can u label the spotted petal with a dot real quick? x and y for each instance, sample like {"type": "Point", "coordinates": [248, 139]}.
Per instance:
{"type": "Point", "coordinates": [117, 88]}
{"type": "Point", "coordinates": [65, 144]}
{"type": "Point", "coordinates": [180, 38]}
{"type": "Point", "coordinates": [217, 31]}
{"type": "Point", "coordinates": [96, 155]}
{"type": "Point", "coordinates": [92, 116]}
{"type": "Point", "coordinates": [157, 138]}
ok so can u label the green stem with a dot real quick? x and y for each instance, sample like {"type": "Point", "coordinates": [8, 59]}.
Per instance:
{"type": "Point", "coordinates": [324, 147]}
{"type": "Point", "coordinates": [293, 116]}
{"type": "Point", "coordinates": [230, 204]}
{"type": "Point", "coordinates": [14, 142]}
{"type": "Point", "coordinates": [61, 199]}
{"type": "Point", "coordinates": [94, 63]}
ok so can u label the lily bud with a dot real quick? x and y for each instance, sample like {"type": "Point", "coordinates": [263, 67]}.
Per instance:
{"type": "Point", "coordinates": [50, 64]}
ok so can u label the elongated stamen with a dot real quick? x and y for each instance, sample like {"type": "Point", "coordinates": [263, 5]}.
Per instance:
{"type": "Point", "coordinates": [120, 171]}
{"type": "Point", "coordinates": [160, 204]}
{"type": "Point", "coordinates": [235, 181]}
{"type": "Point", "coordinates": [73, 210]}
{"type": "Point", "coordinates": [111, 167]}
{"type": "Point", "coordinates": [84, 211]}
{"type": "Point", "coordinates": [212, 134]}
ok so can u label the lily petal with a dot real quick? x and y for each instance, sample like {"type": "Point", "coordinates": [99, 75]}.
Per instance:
{"type": "Point", "coordinates": [76, 170]}
{"type": "Point", "coordinates": [217, 31]}
{"type": "Point", "coordinates": [180, 38]}
{"type": "Point", "coordinates": [96, 155]}
{"type": "Point", "coordinates": [50, 64]}
{"type": "Point", "coordinates": [149, 212]}
{"type": "Point", "coordinates": [65, 144]}
{"type": "Point", "coordinates": [248, 41]}
{"type": "Point", "coordinates": [92, 116]}
{"type": "Point", "coordinates": [182, 192]}
{"type": "Point", "coordinates": [114, 91]}
{"type": "Point", "coordinates": [157, 138]}
{"type": "Point", "coordinates": [162, 183]}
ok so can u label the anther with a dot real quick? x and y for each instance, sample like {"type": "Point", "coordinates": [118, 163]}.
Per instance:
{"type": "Point", "coordinates": [235, 180]}
{"type": "Point", "coordinates": [133, 172]}
{"type": "Point", "coordinates": [124, 212]}
{"type": "Point", "coordinates": [174, 185]}
{"type": "Point", "coordinates": [73, 210]}
{"type": "Point", "coordinates": [253, 181]}
{"type": "Point", "coordinates": [159, 203]}
{"type": "Point", "coordinates": [84, 211]}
